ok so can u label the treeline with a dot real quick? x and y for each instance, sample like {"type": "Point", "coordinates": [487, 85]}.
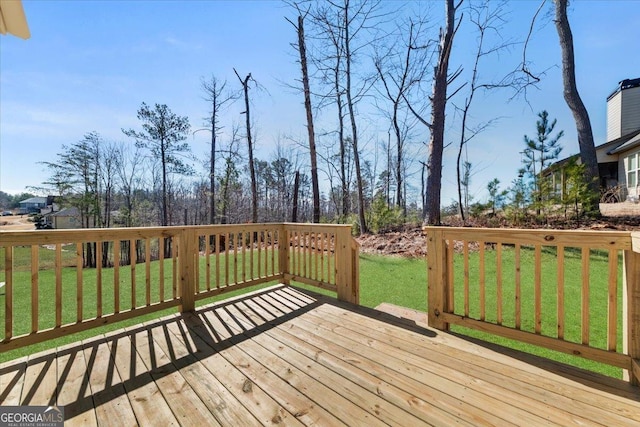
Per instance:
{"type": "Point", "coordinates": [119, 184]}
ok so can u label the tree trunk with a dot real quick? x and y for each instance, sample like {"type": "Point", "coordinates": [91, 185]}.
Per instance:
{"type": "Point", "coordinates": [344, 182]}
{"type": "Point", "coordinates": [307, 106]}
{"type": "Point", "coordinates": [400, 202]}
{"type": "Point", "coordinates": [580, 114]}
{"type": "Point", "coordinates": [459, 176]}
{"type": "Point", "coordinates": [165, 203]}
{"type": "Point", "coordinates": [438, 107]}
{"type": "Point", "coordinates": [354, 128]}
{"type": "Point", "coordinates": [296, 190]}
{"type": "Point", "coordinates": [252, 169]}
{"type": "Point", "coordinates": [212, 167]}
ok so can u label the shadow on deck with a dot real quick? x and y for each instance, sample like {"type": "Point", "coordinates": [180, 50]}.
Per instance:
{"type": "Point", "coordinates": [283, 356]}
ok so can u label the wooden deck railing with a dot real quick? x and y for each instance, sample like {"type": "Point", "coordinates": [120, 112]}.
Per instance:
{"type": "Point", "coordinates": [63, 281]}
{"type": "Point", "coordinates": [540, 287]}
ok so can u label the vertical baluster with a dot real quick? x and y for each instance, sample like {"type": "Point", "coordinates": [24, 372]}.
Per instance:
{"type": "Point", "coordinates": [315, 256]}
{"type": "Point", "coordinates": [612, 313]}
{"type": "Point", "coordinates": [227, 243]}
{"type": "Point", "coordinates": [259, 256]}
{"type": "Point", "coordinates": [499, 282]}
{"type": "Point", "coordinates": [244, 255]}
{"type": "Point", "coordinates": [292, 252]}
{"type": "Point", "coordinates": [34, 287]}
{"type": "Point", "coordinates": [207, 256]}
{"type": "Point", "coordinates": [585, 295]}
{"type": "Point", "coordinates": [251, 233]}
{"type": "Point", "coordinates": [465, 256]}
{"type": "Point", "coordinates": [58, 267]}
{"type": "Point", "coordinates": [147, 271]}
{"type": "Point", "coordinates": [560, 304]}
{"type": "Point", "coordinates": [303, 252]}
{"type": "Point", "coordinates": [162, 255]}
{"type": "Point", "coordinates": [217, 243]}
{"type": "Point", "coordinates": [538, 290]}
{"type": "Point", "coordinates": [175, 247]}
{"type": "Point", "coordinates": [79, 284]}
{"type": "Point", "coordinates": [235, 258]}
{"type": "Point", "coordinates": [450, 277]}
{"type": "Point", "coordinates": [132, 256]}
{"type": "Point", "coordinates": [116, 276]}
{"type": "Point", "coordinates": [98, 253]}
{"type": "Point", "coordinates": [322, 240]}
{"type": "Point", "coordinates": [331, 253]}
{"type": "Point", "coordinates": [196, 263]}
{"type": "Point", "coordinates": [483, 291]}
{"type": "Point", "coordinates": [264, 264]}
{"type": "Point", "coordinates": [8, 292]}
{"type": "Point", "coordinates": [518, 287]}
{"type": "Point", "coordinates": [273, 250]}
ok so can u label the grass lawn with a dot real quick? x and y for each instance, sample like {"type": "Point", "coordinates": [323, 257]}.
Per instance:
{"type": "Point", "coordinates": [404, 282]}
{"type": "Point", "coordinates": [394, 280]}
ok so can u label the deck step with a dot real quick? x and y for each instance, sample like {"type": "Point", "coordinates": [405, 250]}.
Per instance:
{"type": "Point", "coordinates": [420, 317]}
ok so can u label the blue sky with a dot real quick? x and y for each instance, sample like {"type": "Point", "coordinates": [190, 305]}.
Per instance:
{"type": "Point", "coordinates": [90, 64]}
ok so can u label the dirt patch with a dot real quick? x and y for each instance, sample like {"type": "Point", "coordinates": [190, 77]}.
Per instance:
{"type": "Point", "coordinates": [408, 242]}
{"type": "Point", "coordinates": [16, 223]}
{"type": "Point", "coordinates": [411, 242]}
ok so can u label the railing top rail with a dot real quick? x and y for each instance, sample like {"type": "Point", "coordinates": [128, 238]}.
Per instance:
{"type": "Point", "coordinates": [548, 237]}
{"type": "Point", "coordinates": [44, 237]}
{"type": "Point", "coordinates": [313, 225]}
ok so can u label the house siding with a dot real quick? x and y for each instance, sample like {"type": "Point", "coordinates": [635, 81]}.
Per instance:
{"type": "Point", "coordinates": [614, 106]}
{"type": "Point", "coordinates": [630, 114]}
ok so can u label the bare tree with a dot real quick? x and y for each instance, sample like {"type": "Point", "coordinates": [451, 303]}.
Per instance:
{"type": "Point", "coordinates": [331, 68]}
{"type": "Point", "coordinates": [580, 114]}
{"type": "Point", "coordinates": [397, 70]}
{"type": "Point", "coordinates": [438, 106]}
{"type": "Point", "coordinates": [229, 178]}
{"type": "Point", "coordinates": [486, 20]}
{"type": "Point", "coordinates": [252, 170]}
{"type": "Point", "coordinates": [348, 55]}
{"type": "Point", "coordinates": [436, 125]}
{"type": "Point", "coordinates": [219, 97]}
{"type": "Point", "coordinates": [345, 23]}
{"type": "Point", "coordinates": [302, 50]}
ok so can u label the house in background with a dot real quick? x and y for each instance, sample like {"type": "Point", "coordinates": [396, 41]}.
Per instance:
{"type": "Point", "coordinates": [41, 205]}
{"type": "Point", "coordinates": [32, 205]}
{"type": "Point", "coordinates": [619, 157]}
{"type": "Point", "coordinates": [65, 218]}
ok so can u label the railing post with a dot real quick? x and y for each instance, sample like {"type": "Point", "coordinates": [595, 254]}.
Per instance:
{"type": "Point", "coordinates": [187, 257]}
{"type": "Point", "coordinates": [631, 309]}
{"type": "Point", "coordinates": [437, 278]}
{"type": "Point", "coordinates": [283, 253]}
{"type": "Point", "coordinates": [344, 267]}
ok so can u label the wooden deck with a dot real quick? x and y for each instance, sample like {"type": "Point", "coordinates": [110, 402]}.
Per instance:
{"type": "Point", "coordinates": [287, 357]}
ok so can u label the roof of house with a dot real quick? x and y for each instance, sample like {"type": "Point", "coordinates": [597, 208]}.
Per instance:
{"type": "Point", "coordinates": [625, 84]}
{"type": "Point", "coordinates": [41, 200]}
{"type": "Point", "coordinates": [72, 211]}
{"type": "Point", "coordinates": [627, 142]}
{"type": "Point", "coordinates": [615, 146]}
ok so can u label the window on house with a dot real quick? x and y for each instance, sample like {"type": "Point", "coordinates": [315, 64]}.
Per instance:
{"type": "Point", "coordinates": [632, 170]}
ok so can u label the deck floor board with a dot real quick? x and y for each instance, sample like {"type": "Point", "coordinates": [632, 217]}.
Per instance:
{"type": "Point", "coordinates": [287, 357]}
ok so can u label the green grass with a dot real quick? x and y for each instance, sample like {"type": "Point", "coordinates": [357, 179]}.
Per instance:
{"type": "Point", "coordinates": [47, 285]}
{"type": "Point", "coordinates": [403, 282]}
{"type": "Point", "coordinates": [395, 280]}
